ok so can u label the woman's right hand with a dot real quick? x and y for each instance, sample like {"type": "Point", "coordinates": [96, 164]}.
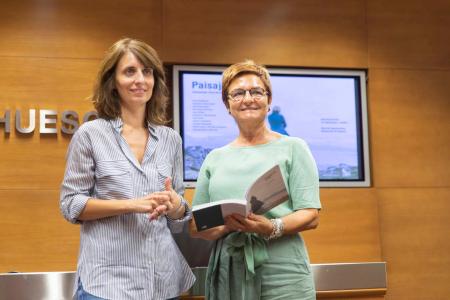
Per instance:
{"type": "Point", "coordinates": [252, 223]}
{"type": "Point", "coordinates": [211, 234]}
{"type": "Point", "coordinates": [156, 204]}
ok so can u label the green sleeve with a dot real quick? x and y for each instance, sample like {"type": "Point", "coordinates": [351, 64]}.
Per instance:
{"type": "Point", "coordinates": [201, 194]}
{"type": "Point", "coordinates": [303, 178]}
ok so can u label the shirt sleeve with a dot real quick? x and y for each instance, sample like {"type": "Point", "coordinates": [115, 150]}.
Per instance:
{"type": "Point", "coordinates": [79, 178]}
{"type": "Point", "coordinates": [303, 178]}
{"type": "Point", "coordinates": [176, 225]}
{"type": "Point", "coordinates": [177, 175]}
{"type": "Point", "coordinates": [201, 194]}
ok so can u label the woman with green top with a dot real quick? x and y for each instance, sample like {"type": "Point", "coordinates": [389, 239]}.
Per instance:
{"type": "Point", "coordinates": [258, 256]}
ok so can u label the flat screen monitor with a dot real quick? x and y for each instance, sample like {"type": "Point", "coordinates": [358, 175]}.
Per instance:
{"type": "Point", "coordinates": [326, 108]}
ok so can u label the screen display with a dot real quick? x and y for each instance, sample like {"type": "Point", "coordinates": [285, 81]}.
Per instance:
{"type": "Point", "coordinates": [325, 108]}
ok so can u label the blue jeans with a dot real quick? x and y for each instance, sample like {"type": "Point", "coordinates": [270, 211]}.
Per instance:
{"type": "Point", "coordinates": [83, 295]}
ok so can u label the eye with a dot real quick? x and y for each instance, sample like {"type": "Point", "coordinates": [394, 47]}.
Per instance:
{"type": "Point", "coordinates": [130, 71]}
{"type": "Point", "coordinates": [147, 71]}
{"type": "Point", "coordinates": [257, 92]}
{"type": "Point", "coordinates": [237, 93]}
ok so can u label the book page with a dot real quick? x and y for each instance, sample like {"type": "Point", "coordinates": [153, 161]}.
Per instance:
{"type": "Point", "coordinates": [234, 206]}
{"type": "Point", "coordinates": [267, 191]}
{"type": "Point", "coordinates": [217, 203]}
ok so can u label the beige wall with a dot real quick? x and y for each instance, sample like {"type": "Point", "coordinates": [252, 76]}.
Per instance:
{"type": "Point", "coordinates": [49, 52]}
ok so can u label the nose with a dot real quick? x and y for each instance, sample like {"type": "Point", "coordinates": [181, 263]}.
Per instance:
{"type": "Point", "coordinates": [139, 76]}
{"type": "Point", "coordinates": [247, 96]}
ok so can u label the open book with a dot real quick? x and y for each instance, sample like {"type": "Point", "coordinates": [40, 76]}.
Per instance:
{"type": "Point", "coordinates": [266, 192]}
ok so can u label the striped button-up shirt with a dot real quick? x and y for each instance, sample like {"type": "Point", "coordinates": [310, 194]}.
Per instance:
{"type": "Point", "coordinates": [126, 256]}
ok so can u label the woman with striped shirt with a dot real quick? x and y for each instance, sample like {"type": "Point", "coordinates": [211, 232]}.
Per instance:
{"type": "Point", "coordinates": [123, 184]}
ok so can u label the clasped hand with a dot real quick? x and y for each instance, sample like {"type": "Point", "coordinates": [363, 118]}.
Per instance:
{"type": "Point", "coordinates": [159, 203]}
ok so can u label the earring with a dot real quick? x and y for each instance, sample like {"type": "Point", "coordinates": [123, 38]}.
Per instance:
{"type": "Point", "coordinates": [268, 109]}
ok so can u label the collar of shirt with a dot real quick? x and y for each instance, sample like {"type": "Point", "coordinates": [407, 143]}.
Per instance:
{"type": "Point", "coordinates": [154, 131]}
{"type": "Point", "coordinates": [117, 124]}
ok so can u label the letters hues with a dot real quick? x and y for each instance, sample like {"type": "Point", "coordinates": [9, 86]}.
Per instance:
{"type": "Point", "coordinates": [47, 121]}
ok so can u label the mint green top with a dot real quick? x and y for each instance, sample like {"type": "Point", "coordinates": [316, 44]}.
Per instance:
{"type": "Point", "coordinates": [245, 266]}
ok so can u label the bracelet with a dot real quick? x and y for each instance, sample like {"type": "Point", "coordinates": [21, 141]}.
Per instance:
{"type": "Point", "coordinates": [277, 231]}
{"type": "Point", "coordinates": [182, 203]}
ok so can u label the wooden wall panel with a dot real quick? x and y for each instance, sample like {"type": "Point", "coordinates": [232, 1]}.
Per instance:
{"type": "Point", "coordinates": [46, 82]}
{"type": "Point", "coordinates": [415, 226]}
{"type": "Point", "coordinates": [32, 164]}
{"type": "Point", "coordinates": [409, 34]}
{"type": "Point", "coordinates": [409, 124]}
{"type": "Point", "coordinates": [409, 64]}
{"type": "Point", "coordinates": [40, 83]}
{"type": "Point", "coordinates": [349, 227]}
{"type": "Point", "coordinates": [34, 236]}
{"type": "Point", "coordinates": [72, 28]}
{"type": "Point", "coordinates": [293, 32]}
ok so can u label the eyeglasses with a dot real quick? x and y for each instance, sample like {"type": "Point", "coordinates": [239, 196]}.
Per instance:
{"type": "Point", "coordinates": [239, 94]}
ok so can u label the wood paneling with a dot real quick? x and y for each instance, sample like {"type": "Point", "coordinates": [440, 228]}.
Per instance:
{"type": "Point", "coordinates": [189, 195]}
{"type": "Point", "coordinates": [46, 82]}
{"type": "Point", "coordinates": [33, 234]}
{"type": "Point", "coordinates": [415, 226]}
{"type": "Point", "coordinates": [348, 228]}
{"type": "Point", "coordinates": [409, 34]}
{"type": "Point", "coordinates": [409, 125]}
{"type": "Point", "coordinates": [36, 161]}
{"type": "Point", "coordinates": [293, 32]}
{"type": "Point", "coordinates": [32, 164]}
{"type": "Point", "coordinates": [72, 28]}
{"type": "Point", "coordinates": [409, 72]}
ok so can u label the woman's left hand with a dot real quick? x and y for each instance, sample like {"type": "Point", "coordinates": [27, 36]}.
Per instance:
{"type": "Point", "coordinates": [171, 204]}
{"type": "Point", "coordinates": [252, 223]}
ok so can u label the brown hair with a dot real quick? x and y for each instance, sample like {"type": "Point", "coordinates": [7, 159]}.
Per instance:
{"type": "Point", "coordinates": [243, 68]}
{"type": "Point", "coordinates": [105, 96]}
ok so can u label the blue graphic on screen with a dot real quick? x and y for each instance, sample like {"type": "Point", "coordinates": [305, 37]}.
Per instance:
{"type": "Point", "coordinates": [277, 121]}
{"type": "Point", "coordinates": [321, 110]}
